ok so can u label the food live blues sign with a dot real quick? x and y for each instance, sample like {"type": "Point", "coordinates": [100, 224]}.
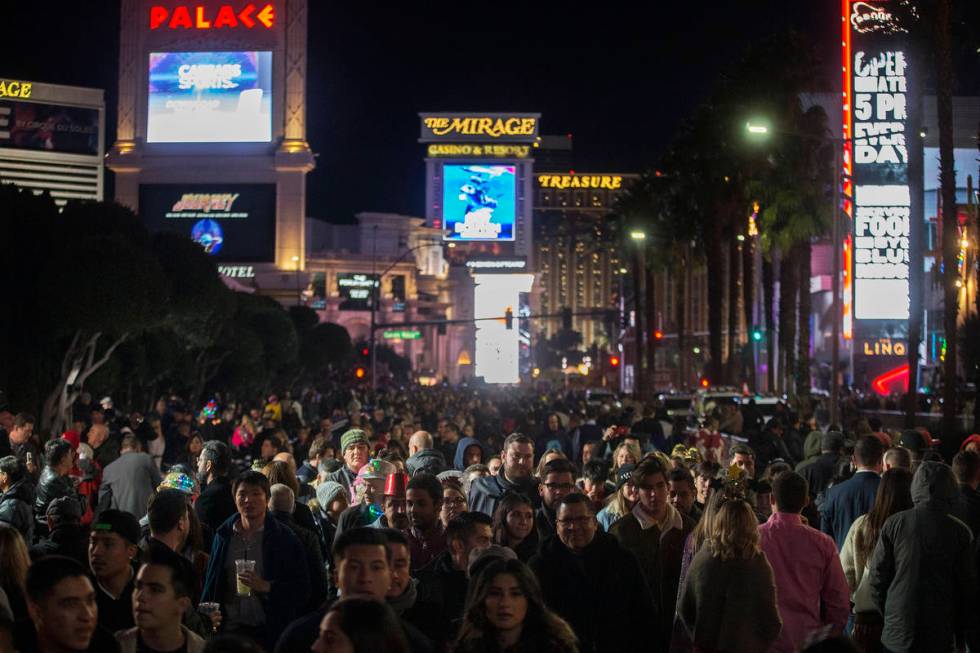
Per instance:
{"type": "Point", "coordinates": [878, 156]}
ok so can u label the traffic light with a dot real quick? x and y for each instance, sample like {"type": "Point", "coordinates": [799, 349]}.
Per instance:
{"type": "Point", "coordinates": [614, 361]}
{"type": "Point", "coordinates": [509, 318]}
{"type": "Point", "coordinates": [658, 335]}
{"type": "Point", "coordinates": [360, 373]}
{"type": "Point", "coordinates": [705, 382]}
{"type": "Point", "coordinates": [757, 334]}
{"type": "Point", "coordinates": [365, 351]}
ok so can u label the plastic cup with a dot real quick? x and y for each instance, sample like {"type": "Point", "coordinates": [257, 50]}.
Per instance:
{"type": "Point", "coordinates": [242, 566]}
{"type": "Point", "coordinates": [208, 608]}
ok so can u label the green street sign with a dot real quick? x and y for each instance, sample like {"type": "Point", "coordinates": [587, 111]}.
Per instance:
{"type": "Point", "coordinates": [402, 334]}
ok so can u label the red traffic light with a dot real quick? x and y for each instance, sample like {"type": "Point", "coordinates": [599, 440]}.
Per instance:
{"type": "Point", "coordinates": [614, 361]}
{"type": "Point", "coordinates": [705, 382]}
{"type": "Point", "coordinates": [365, 352]}
{"type": "Point", "coordinates": [360, 372]}
{"type": "Point", "coordinates": [658, 335]}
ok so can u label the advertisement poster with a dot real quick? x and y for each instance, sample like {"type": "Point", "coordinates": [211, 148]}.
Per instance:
{"type": "Point", "coordinates": [355, 290]}
{"type": "Point", "coordinates": [231, 222]}
{"type": "Point", "coordinates": [49, 127]}
{"type": "Point", "coordinates": [479, 202]}
{"type": "Point", "coordinates": [209, 97]}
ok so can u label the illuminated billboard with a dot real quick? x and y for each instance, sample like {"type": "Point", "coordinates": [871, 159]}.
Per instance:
{"type": "Point", "coordinates": [232, 222]}
{"type": "Point", "coordinates": [355, 291]}
{"type": "Point", "coordinates": [876, 104]}
{"type": "Point", "coordinates": [498, 349]}
{"type": "Point", "coordinates": [209, 97]}
{"type": "Point", "coordinates": [49, 127]}
{"type": "Point", "coordinates": [479, 201]}
{"type": "Point", "coordinates": [479, 127]}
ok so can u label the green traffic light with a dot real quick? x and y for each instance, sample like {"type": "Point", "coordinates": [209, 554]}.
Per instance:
{"type": "Point", "coordinates": [757, 335]}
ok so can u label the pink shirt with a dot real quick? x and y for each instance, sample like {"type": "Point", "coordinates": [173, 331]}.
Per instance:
{"type": "Point", "coordinates": [811, 590]}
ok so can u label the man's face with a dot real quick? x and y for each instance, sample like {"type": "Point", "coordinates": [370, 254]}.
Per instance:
{"type": "Point", "coordinates": [155, 604]}
{"type": "Point", "coordinates": [396, 512]}
{"type": "Point", "coordinates": [268, 450]}
{"type": "Point", "coordinates": [703, 485]}
{"type": "Point", "coordinates": [251, 501]}
{"type": "Point", "coordinates": [109, 554]}
{"type": "Point", "coordinates": [21, 434]}
{"type": "Point", "coordinates": [203, 465]}
{"type": "Point", "coordinates": [553, 423]}
{"type": "Point", "coordinates": [473, 455]}
{"type": "Point", "coordinates": [364, 569]}
{"type": "Point", "coordinates": [356, 456]}
{"type": "Point", "coordinates": [653, 493]}
{"type": "Point", "coordinates": [596, 491]}
{"type": "Point", "coordinates": [746, 463]}
{"type": "Point", "coordinates": [481, 538]}
{"type": "Point", "coordinates": [682, 496]}
{"type": "Point", "coordinates": [587, 452]}
{"type": "Point", "coordinates": [97, 435]}
{"type": "Point", "coordinates": [518, 461]}
{"type": "Point", "coordinates": [422, 510]}
{"type": "Point", "coordinates": [374, 491]}
{"type": "Point", "coordinates": [576, 526]}
{"type": "Point", "coordinates": [401, 559]}
{"type": "Point", "coordinates": [555, 487]}
{"type": "Point", "coordinates": [67, 617]}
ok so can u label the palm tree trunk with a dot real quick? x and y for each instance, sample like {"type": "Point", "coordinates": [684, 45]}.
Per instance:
{"type": "Point", "coordinates": [716, 294]}
{"type": "Point", "coordinates": [947, 182]}
{"type": "Point", "coordinates": [803, 384]}
{"type": "Point", "coordinates": [680, 306]}
{"type": "Point", "coordinates": [787, 321]}
{"type": "Point", "coordinates": [651, 322]}
{"type": "Point", "coordinates": [768, 291]}
{"type": "Point", "coordinates": [916, 243]}
{"type": "Point", "coordinates": [748, 299]}
{"type": "Point", "coordinates": [734, 276]}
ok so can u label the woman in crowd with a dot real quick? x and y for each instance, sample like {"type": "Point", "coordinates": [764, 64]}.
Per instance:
{"type": "Point", "coordinates": [894, 495]}
{"type": "Point", "coordinates": [547, 457]}
{"type": "Point", "coordinates": [627, 453]}
{"type": "Point", "coordinates": [513, 525]}
{"type": "Point", "coordinates": [453, 500]}
{"type": "Point", "coordinates": [622, 501]}
{"type": "Point", "coordinates": [155, 442]}
{"type": "Point", "coordinates": [506, 612]}
{"type": "Point", "coordinates": [360, 625]}
{"type": "Point", "coordinates": [244, 434]}
{"type": "Point", "coordinates": [728, 600]}
{"type": "Point", "coordinates": [14, 562]}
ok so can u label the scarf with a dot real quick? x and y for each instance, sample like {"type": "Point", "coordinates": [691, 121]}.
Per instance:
{"type": "Point", "coordinates": [407, 599]}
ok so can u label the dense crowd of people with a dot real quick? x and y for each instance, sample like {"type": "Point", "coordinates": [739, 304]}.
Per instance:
{"type": "Point", "coordinates": [442, 519]}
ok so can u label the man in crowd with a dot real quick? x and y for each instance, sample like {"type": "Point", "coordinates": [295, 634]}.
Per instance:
{"type": "Point", "coordinates": [443, 582]}
{"type": "Point", "coordinates": [216, 503]}
{"type": "Point", "coordinates": [163, 594]}
{"type": "Point", "coordinates": [22, 444]}
{"type": "Point", "coordinates": [743, 457]}
{"type": "Point", "coordinates": [820, 471]}
{"type": "Point", "coordinates": [112, 550]}
{"type": "Point", "coordinates": [426, 537]}
{"type": "Point", "coordinates": [66, 535]}
{"type": "Point", "coordinates": [448, 441]}
{"type": "Point", "coordinates": [917, 443]}
{"type": "Point", "coordinates": [355, 448]}
{"type": "Point", "coordinates": [683, 495]}
{"type": "Point", "coordinates": [170, 525]}
{"type": "Point", "coordinates": [655, 532]}
{"type": "Point", "coordinates": [277, 588]}
{"type": "Point", "coordinates": [55, 481]}
{"type": "Point", "coordinates": [926, 550]}
{"type": "Point", "coordinates": [811, 590]}
{"type": "Point", "coordinates": [16, 497]}
{"type": "Point", "coordinates": [369, 491]}
{"type": "Point", "coordinates": [282, 504]}
{"type": "Point", "coordinates": [847, 501]}
{"type": "Point", "coordinates": [557, 482]}
{"type": "Point", "coordinates": [394, 503]}
{"type": "Point", "coordinates": [593, 583]}
{"type": "Point", "coordinates": [515, 474]}
{"type": "Point", "coordinates": [308, 471]}
{"type": "Point", "coordinates": [63, 609]}
{"type": "Point", "coordinates": [105, 448]}
{"type": "Point", "coordinates": [423, 456]}
{"type": "Point", "coordinates": [966, 468]}
{"type": "Point", "coordinates": [128, 482]}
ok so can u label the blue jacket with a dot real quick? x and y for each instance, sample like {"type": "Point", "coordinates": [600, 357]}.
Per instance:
{"type": "Point", "coordinates": [283, 564]}
{"type": "Point", "coordinates": [845, 502]}
{"type": "Point", "coordinates": [461, 446]}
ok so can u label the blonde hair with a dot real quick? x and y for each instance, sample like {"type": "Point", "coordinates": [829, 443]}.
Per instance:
{"type": "Point", "coordinates": [14, 559]}
{"type": "Point", "coordinates": [632, 448]}
{"type": "Point", "coordinates": [735, 531]}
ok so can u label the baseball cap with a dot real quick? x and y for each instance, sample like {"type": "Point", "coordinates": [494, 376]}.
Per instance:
{"type": "Point", "coordinates": [623, 474]}
{"type": "Point", "coordinates": [119, 522]}
{"type": "Point", "coordinates": [64, 510]}
{"type": "Point", "coordinates": [914, 441]}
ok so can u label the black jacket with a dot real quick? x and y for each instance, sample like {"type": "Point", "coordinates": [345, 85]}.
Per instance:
{"type": "Point", "coordinates": [486, 492]}
{"type": "Point", "coordinates": [923, 573]}
{"type": "Point", "coordinates": [314, 560]}
{"type": "Point", "coordinates": [216, 503]}
{"type": "Point", "coordinates": [441, 598]}
{"type": "Point", "coordinates": [819, 474]}
{"type": "Point", "coordinates": [66, 540]}
{"type": "Point", "coordinates": [16, 508]}
{"type": "Point", "coordinates": [430, 461]}
{"type": "Point", "coordinates": [600, 593]}
{"type": "Point", "coordinates": [51, 487]}
{"type": "Point", "coordinates": [544, 522]}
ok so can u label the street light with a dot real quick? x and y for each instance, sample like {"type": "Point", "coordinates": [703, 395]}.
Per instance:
{"type": "Point", "coordinates": [638, 235]}
{"type": "Point", "coordinates": [756, 128]}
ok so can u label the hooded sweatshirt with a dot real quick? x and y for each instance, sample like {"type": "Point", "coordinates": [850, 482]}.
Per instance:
{"type": "Point", "coordinates": [459, 461]}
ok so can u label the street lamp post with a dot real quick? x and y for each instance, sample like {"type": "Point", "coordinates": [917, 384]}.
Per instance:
{"type": "Point", "coordinates": [639, 287]}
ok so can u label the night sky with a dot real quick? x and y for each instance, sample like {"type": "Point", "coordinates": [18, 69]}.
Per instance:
{"type": "Point", "coordinates": [616, 75]}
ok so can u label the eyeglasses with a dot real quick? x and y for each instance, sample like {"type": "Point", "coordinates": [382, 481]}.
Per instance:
{"type": "Point", "coordinates": [580, 522]}
{"type": "Point", "coordinates": [456, 501]}
{"type": "Point", "coordinates": [559, 486]}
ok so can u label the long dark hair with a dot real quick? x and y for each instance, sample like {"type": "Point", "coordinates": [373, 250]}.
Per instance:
{"type": "Point", "coordinates": [540, 624]}
{"type": "Point", "coordinates": [894, 495]}
{"type": "Point", "coordinates": [370, 625]}
{"type": "Point", "coordinates": [508, 502]}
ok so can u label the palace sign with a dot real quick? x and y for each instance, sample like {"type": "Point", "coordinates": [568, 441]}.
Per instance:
{"type": "Point", "coordinates": [13, 88]}
{"type": "Point", "coordinates": [200, 17]}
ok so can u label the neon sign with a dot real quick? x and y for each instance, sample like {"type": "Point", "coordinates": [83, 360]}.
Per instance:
{"type": "Point", "coordinates": [884, 347]}
{"type": "Point", "coordinates": [12, 88]}
{"type": "Point", "coordinates": [201, 17]}
{"type": "Point", "coordinates": [882, 382]}
{"type": "Point", "coordinates": [478, 150]}
{"type": "Point", "coordinates": [479, 127]}
{"type": "Point", "coordinates": [561, 182]}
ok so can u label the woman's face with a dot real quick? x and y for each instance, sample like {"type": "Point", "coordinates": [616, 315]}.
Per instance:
{"type": "Point", "coordinates": [332, 638]}
{"type": "Point", "coordinates": [624, 457]}
{"type": "Point", "coordinates": [520, 521]}
{"type": "Point", "coordinates": [195, 445]}
{"type": "Point", "coordinates": [506, 604]}
{"type": "Point", "coordinates": [473, 455]}
{"type": "Point", "coordinates": [552, 422]}
{"type": "Point", "coordinates": [453, 505]}
{"type": "Point", "coordinates": [268, 450]}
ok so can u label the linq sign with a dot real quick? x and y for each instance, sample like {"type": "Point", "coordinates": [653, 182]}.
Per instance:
{"type": "Point", "coordinates": [197, 17]}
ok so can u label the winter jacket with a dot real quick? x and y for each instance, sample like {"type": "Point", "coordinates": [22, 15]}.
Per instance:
{"type": "Point", "coordinates": [429, 461]}
{"type": "Point", "coordinates": [596, 589]}
{"type": "Point", "coordinates": [486, 492]}
{"type": "Point", "coordinates": [16, 508]}
{"type": "Point", "coordinates": [128, 483]}
{"type": "Point", "coordinates": [66, 540]}
{"type": "Point", "coordinates": [128, 641]}
{"type": "Point", "coordinates": [660, 555]}
{"type": "Point", "coordinates": [216, 503]}
{"type": "Point", "coordinates": [53, 486]}
{"type": "Point", "coordinates": [314, 560]}
{"type": "Point", "coordinates": [441, 598]}
{"type": "Point", "coordinates": [845, 502]}
{"type": "Point", "coordinates": [923, 573]}
{"type": "Point", "coordinates": [729, 605]}
{"type": "Point", "coordinates": [283, 564]}
{"type": "Point", "coordinates": [819, 474]}
{"type": "Point", "coordinates": [459, 461]}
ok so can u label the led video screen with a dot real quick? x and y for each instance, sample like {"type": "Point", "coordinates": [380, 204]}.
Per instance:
{"type": "Point", "coordinates": [478, 201]}
{"type": "Point", "coordinates": [49, 127]}
{"type": "Point", "coordinates": [232, 222]}
{"type": "Point", "coordinates": [209, 97]}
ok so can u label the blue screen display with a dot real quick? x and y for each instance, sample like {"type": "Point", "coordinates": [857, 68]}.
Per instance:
{"type": "Point", "coordinates": [478, 201]}
{"type": "Point", "coordinates": [209, 97]}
